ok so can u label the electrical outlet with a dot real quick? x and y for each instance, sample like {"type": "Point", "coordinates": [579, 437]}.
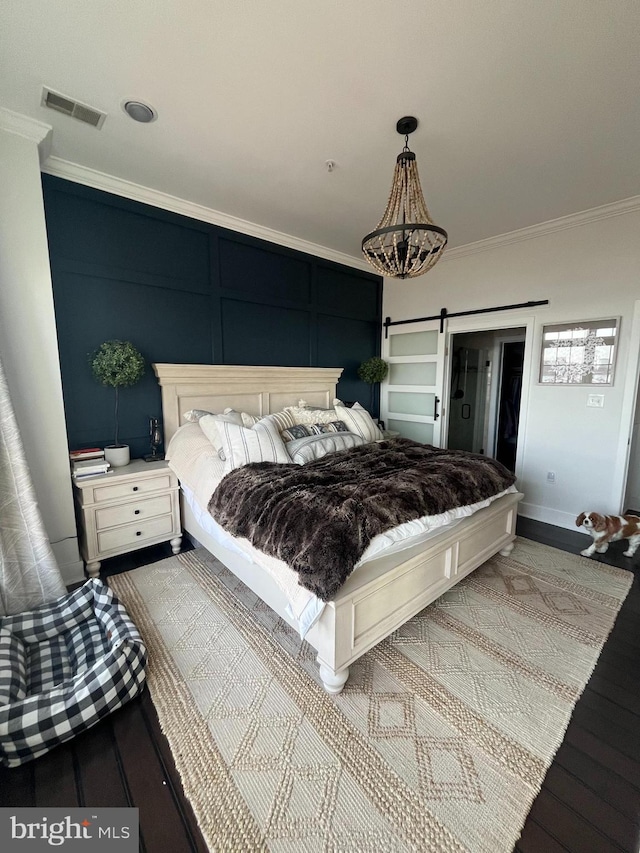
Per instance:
{"type": "Point", "coordinates": [551, 477]}
{"type": "Point", "coordinates": [595, 401]}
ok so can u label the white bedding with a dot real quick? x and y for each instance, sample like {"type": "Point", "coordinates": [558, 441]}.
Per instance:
{"type": "Point", "coordinates": [196, 464]}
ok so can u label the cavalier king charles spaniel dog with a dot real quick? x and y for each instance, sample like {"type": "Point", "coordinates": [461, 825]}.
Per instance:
{"type": "Point", "coordinates": [610, 528]}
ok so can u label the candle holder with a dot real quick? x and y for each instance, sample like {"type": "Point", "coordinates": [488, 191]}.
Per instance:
{"type": "Point", "coordinates": [155, 440]}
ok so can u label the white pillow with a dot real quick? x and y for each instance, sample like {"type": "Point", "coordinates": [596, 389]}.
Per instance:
{"type": "Point", "coordinates": [209, 426]}
{"type": "Point", "coordinates": [303, 415]}
{"type": "Point", "coordinates": [304, 405]}
{"type": "Point", "coordinates": [194, 459]}
{"type": "Point", "coordinates": [249, 420]}
{"type": "Point", "coordinates": [194, 415]}
{"type": "Point", "coordinates": [259, 443]}
{"type": "Point", "coordinates": [359, 420]}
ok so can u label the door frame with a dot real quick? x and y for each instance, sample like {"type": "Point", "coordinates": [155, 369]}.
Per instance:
{"type": "Point", "coordinates": [496, 399]}
{"type": "Point", "coordinates": [630, 392]}
{"type": "Point", "coordinates": [499, 322]}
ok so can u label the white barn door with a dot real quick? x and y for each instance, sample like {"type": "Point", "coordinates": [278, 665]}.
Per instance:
{"type": "Point", "coordinates": [411, 396]}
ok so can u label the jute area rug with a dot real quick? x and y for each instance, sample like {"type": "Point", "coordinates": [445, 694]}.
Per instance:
{"type": "Point", "coordinates": [440, 740]}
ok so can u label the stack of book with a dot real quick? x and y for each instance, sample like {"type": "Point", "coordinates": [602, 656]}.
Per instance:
{"type": "Point", "coordinates": [90, 468]}
{"type": "Point", "coordinates": [89, 462]}
{"type": "Point", "coordinates": [86, 453]}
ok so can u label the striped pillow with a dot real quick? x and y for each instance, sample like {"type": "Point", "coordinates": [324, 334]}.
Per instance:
{"type": "Point", "coordinates": [209, 425]}
{"type": "Point", "coordinates": [249, 420]}
{"type": "Point", "coordinates": [284, 420]}
{"type": "Point", "coordinates": [317, 446]}
{"type": "Point", "coordinates": [359, 420]}
{"type": "Point", "coordinates": [259, 443]}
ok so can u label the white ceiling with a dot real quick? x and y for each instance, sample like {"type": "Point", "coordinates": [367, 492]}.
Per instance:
{"type": "Point", "coordinates": [528, 111]}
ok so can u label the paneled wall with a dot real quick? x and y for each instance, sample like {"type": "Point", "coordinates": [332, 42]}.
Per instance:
{"type": "Point", "coordinates": [187, 291]}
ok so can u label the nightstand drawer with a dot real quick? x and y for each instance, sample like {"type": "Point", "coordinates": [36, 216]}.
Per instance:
{"type": "Point", "coordinates": [143, 510]}
{"type": "Point", "coordinates": [127, 489]}
{"type": "Point", "coordinates": [134, 534]}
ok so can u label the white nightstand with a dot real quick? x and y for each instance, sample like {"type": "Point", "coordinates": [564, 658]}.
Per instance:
{"type": "Point", "coordinates": [130, 508]}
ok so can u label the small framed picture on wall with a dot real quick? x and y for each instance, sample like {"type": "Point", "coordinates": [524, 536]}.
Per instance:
{"type": "Point", "coordinates": [581, 353]}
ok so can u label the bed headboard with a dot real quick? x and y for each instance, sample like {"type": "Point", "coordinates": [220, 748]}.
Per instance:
{"type": "Point", "coordinates": [257, 390]}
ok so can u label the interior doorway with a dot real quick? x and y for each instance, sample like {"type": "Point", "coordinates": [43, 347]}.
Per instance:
{"type": "Point", "coordinates": [485, 391]}
{"type": "Point", "coordinates": [632, 494]}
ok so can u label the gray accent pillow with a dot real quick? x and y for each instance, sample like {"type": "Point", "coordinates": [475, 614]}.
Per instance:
{"type": "Point", "coordinates": [316, 446]}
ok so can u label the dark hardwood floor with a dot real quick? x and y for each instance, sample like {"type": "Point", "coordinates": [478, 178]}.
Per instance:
{"type": "Point", "coordinates": [124, 760]}
{"type": "Point", "coordinates": [590, 800]}
{"type": "Point", "coordinates": [589, 803]}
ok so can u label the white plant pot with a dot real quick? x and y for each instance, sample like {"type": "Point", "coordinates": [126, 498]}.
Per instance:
{"type": "Point", "coordinates": [117, 455]}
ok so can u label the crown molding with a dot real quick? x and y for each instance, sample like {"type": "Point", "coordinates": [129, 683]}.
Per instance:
{"type": "Point", "coordinates": [551, 226]}
{"type": "Point", "coordinates": [136, 192]}
{"type": "Point", "coordinates": [29, 128]}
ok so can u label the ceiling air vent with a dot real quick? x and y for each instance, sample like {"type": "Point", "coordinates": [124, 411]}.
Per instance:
{"type": "Point", "coordinates": [66, 105]}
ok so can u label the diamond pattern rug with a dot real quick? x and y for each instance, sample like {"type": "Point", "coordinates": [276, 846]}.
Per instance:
{"type": "Point", "coordinates": [440, 740]}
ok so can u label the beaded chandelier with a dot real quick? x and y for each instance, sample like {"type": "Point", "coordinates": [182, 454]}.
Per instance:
{"type": "Point", "coordinates": [405, 243]}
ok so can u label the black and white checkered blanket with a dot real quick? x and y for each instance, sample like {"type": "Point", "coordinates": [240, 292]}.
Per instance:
{"type": "Point", "coordinates": [63, 667]}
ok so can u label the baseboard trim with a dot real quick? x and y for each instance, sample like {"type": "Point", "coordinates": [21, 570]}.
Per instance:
{"type": "Point", "coordinates": [73, 573]}
{"type": "Point", "coordinates": [68, 560]}
{"type": "Point", "coordinates": [547, 515]}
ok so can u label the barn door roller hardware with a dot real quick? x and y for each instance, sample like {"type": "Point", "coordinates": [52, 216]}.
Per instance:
{"type": "Point", "coordinates": [442, 316]}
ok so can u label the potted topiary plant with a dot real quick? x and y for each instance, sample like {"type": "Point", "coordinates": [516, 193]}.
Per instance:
{"type": "Point", "coordinates": [119, 365]}
{"type": "Point", "coordinates": [373, 370]}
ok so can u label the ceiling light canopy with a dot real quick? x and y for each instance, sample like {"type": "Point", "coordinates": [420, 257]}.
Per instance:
{"type": "Point", "coordinates": [139, 111]}
{"type": "Point", "coordinates": [405, 243]}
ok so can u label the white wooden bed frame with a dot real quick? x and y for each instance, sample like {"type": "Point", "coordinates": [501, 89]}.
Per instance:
{"type": "Point", "coordinates": [383, 593]}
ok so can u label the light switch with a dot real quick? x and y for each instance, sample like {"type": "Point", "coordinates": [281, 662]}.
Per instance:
{"type": "Point", "coordinates": [596, 401]}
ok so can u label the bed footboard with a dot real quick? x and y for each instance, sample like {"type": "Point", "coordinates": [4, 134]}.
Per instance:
{"type": "Point", "coordinates": [384, 594]}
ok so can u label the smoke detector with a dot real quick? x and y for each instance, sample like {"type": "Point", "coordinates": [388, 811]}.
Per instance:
{"type": "Point", "coordinates": [71, 107]}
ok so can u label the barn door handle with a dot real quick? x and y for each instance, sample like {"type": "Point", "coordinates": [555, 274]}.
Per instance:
{"type": "Point", "coordinates": [466, 411]}
{"type": "Point", "coordinates": [435, 408]}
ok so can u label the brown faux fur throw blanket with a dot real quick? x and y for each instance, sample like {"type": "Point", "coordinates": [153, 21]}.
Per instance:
{"type": "Point", "coordinates": [320, 517]}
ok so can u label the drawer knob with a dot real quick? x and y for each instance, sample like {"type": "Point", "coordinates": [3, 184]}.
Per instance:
{"type": "Point", "coordinates": [135, 488]}
{"type": "Point", "coordinates": [136, 512]}
{"type": "Point", "coordinates": [139, 533]}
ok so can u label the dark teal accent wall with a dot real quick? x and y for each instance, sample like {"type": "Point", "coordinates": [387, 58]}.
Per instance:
{"type": "Point", "coordinates": [186, 291]}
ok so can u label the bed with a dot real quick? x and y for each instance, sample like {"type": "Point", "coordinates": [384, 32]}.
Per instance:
{"type": "Point", "coordinates": [389, 587]}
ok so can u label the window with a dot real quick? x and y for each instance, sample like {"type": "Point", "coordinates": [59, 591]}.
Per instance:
{"type": "Point", "coordinates": [579, 353]}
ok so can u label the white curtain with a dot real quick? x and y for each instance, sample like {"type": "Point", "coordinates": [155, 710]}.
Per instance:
{"type": "Point", "coordinates": [29, 574]}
